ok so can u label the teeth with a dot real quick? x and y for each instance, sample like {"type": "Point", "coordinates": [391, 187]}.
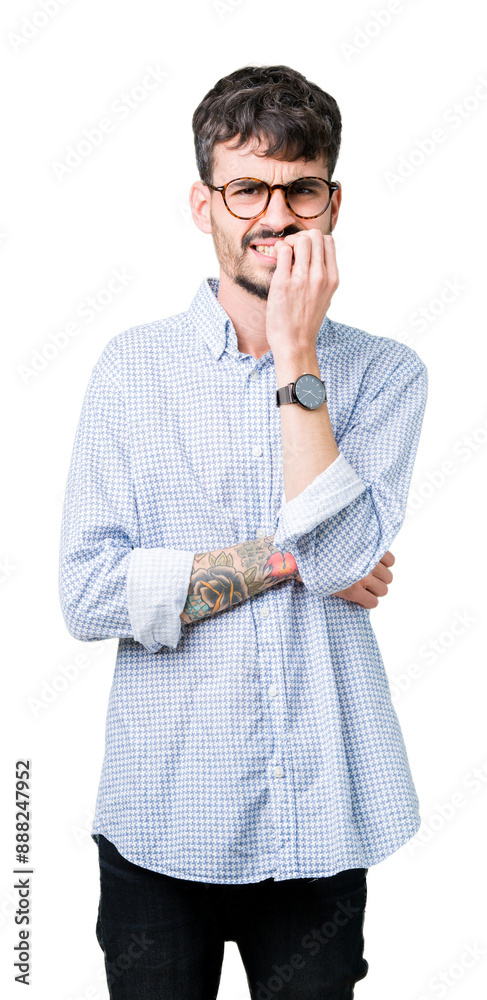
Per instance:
{"type": "Point", "coordinates": [265, 248]}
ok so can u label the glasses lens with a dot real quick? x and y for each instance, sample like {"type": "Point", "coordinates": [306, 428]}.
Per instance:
{"type": "Point", "coordinates": [246, 197]}
{"type": "Point", "coordinates": [308, 196]}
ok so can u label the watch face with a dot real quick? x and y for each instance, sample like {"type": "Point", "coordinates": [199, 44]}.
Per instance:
{"type": "Point", "coordinates": [309, 391]}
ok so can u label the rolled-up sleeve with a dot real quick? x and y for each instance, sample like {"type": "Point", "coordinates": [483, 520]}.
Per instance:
{"type": "Point", "coordinates": [109, 585]}
{"type": "Point", "coordinates": [330, 491]}
{"type": "Point", "coordinates": [337, 543]}
{"type": "Point", "coordinates": [157, 588]}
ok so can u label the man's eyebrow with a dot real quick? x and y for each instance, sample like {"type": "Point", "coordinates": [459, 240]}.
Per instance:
{"type": "Point", "coordinates": [301, 177]}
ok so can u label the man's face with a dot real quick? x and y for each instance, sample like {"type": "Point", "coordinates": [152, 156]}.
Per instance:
{"type": "Point", "coordinates": [233, 237]}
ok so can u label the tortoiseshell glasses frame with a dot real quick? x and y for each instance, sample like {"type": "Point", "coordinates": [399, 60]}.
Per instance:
{"type": "Point", "coordinates": [332, 186]}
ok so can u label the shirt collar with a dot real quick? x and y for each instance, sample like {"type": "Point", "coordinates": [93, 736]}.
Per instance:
{"type": "Point", "coordinates": [210, 319]}
{"type": "Point", "coordinates": [214, 324]}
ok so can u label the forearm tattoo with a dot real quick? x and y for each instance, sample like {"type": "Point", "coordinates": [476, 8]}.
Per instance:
{"type": "Point", "coordinates": [229, 576]}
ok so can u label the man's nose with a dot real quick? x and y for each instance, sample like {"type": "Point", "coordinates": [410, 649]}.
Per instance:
{"type": "Point", "coordinates": [277, 214]}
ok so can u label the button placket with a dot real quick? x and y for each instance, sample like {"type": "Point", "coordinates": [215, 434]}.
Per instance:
{"type": "Point", "coordinates": [269, 643]}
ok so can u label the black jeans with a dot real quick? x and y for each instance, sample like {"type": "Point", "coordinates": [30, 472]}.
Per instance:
{"type": "Point", "coordinates": [163, 937]}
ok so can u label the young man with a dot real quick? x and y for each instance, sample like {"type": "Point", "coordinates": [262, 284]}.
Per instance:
{"type": "Point", "coordinates": [238, 474]}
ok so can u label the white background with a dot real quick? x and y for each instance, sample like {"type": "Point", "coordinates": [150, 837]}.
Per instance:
{"type": "Point", "coordinates": [126, 206]}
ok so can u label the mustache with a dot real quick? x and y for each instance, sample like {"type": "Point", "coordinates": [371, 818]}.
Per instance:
{"type": "Point", "coordinates": [270, 235]}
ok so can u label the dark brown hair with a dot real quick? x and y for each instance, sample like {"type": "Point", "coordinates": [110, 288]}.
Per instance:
{"type": "Point", "coordinates": [275, 103]}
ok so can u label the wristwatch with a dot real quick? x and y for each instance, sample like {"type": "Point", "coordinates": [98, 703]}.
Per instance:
{"type": "Point", "coordinates": [308, 391]}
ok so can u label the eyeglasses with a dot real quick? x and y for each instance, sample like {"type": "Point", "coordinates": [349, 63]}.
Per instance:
{"type": "Point", "coordinates": [248, 197]}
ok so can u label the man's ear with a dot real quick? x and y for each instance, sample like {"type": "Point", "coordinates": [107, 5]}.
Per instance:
{"type": "Point", "coordinates": [199, 200]}
{"type": "Point", "coordinates": [335, 207]}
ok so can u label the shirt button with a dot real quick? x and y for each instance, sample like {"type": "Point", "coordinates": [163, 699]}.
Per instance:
{"type": "Point", "coordinates": [272, 690]}
{"type": "Point", "coordinates": [265, 612]}
{"type": "Point", "coordinates": [254, 374]}
{"type": "Point", "coordinates": [256, 450]}
{"type": "Point", "coordinates": [278, 772]}
{"type": "Point", "coordinates": [262, 532]}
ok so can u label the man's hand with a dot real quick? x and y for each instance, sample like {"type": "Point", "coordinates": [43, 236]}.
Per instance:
{"type": "Point", "coordinates": [300, 292]}
{"type": "Point", "coordinates": [367, 591]}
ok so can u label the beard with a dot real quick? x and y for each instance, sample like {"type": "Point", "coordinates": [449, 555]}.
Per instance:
{"type": "Point", "coordinates": [238, 266]}
{"type": "Point", "coordinates": [237, 263]}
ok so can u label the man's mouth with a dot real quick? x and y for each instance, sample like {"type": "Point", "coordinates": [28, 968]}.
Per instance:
{"type": "Point", "coordinates": [266, 249]}
{"type": "Point", "coordinates": [263, 248]}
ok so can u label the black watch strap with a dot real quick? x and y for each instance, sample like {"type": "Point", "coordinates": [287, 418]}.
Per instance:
{"type": "Point", "coordinates": [284, 395]}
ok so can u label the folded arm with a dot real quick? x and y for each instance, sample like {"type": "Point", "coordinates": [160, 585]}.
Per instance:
{"type": "Point", "coordinates": [336, 550]}
{"type": "Point", "coordinates": [226, 577]}
{"type": "Point", "coordinates": [110, 586]}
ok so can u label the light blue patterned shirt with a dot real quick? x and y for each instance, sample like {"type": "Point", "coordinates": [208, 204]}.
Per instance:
{"type": "Point", "coordinates": [261, 742]}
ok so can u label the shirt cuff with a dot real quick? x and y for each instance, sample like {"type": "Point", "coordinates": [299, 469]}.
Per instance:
{"type": "Point", "coordinates": [157, 587]}
{"type": "Point", "coordinates": [329, 492]}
